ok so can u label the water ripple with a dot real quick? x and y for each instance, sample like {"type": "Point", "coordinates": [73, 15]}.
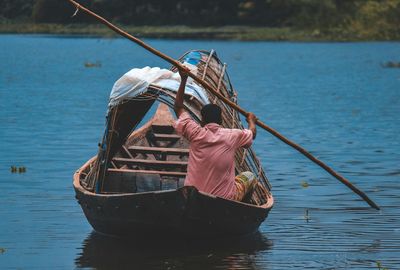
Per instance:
{"type": "Point", "coordinates": [329, 97]}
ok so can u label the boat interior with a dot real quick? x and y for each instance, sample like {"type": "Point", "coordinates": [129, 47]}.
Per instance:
{"type": "Point", "coordinates": [153, 158]}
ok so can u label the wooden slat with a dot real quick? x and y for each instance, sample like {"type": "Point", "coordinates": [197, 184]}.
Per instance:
{"type": "Point", "coordinates": [150, 162]}
{"type": "Point", "coordinates": [159, 150]}
{"type": "Point", "coordinates": [126, 151]}
{"type": "Point", "coordinates": [206, 66]}
{"type": "Point", "coordinates": [161, 136]}
{"type": "Point", "coordinates": [221, 76]}
{"type": "Point", "coordinates": [166, 173]}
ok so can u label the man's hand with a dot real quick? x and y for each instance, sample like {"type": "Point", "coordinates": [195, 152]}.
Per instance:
{"type": "Point", "coordinates": [252, 119]}
{"type": "Point", "coordinates": [183, 72]}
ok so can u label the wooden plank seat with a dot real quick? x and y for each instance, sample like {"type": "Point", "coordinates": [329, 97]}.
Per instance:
{"type": "Point", "coordinates": [158, 150]}
{"type": "Point", "coordinates": [162, 173]}
{"type": "Point", "coordinates": [150, 163]}
{"type": "Point", "coordinates": [166, 137]}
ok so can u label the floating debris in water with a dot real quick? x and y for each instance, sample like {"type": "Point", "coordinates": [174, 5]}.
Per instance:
{"type": "Point", "coordinates": [355, 112]}
{"type": "Point", "coordinates": [15, 169]}
{"type": "Point", "coordinates": [391, 64]}
{"type": "Point", "coordinates": [237, 57]}
{"type": "Point", "coordinates": [90, 64]}
{"type": "Point", "coordinates": [306, 215]}
{"type": "Point", "coordinates": [304, 184]}
{"type": "Point", "coordinates": [380, 267]}
{"type": "Point", "coordinates": [2, 250]}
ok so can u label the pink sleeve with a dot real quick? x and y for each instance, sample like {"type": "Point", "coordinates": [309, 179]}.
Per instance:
{"type": "Point", "coordinates": [242, 138]}
{"type": "Point", "coordinates": [186, 126]}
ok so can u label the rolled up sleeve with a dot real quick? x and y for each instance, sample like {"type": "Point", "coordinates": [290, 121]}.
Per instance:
{"type": "Point", "coordinates": [242, 138]}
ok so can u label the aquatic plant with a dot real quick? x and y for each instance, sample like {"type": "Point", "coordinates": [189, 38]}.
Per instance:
{"type": "Point", "coordinates": [90, 64]}
{"type": "Point", "coordinates": [306, 215]}
{"type": "Point", "coordinates": [391, 64]}
{"type": "Point", "coordinates": [304, 184]}
{"type": "Point", "coordinates": [380, 267]}
{"type": "Point", "coordinates": [15, 169]}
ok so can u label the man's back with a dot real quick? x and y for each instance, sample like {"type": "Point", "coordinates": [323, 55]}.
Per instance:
{"type": "Point", "coordinates": [211, 167]}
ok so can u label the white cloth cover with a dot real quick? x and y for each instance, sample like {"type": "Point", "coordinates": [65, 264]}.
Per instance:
{"type": "Point", "coordinates": [137, 80]}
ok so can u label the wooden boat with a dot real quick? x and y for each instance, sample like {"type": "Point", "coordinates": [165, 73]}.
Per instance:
{"type": "Point", "coordinates": [135, 184]}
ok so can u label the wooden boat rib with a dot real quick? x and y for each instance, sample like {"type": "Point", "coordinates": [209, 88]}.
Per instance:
{"type": "Point", "coordinates": [136, 182]}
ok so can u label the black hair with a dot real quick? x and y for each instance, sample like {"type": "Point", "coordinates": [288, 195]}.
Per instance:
{"type": "Point", "coordinates": [211, 113]}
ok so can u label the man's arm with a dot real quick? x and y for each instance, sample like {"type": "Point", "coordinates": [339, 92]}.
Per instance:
{"type": "Point", "coordinates": [178, 105]}
{"type": "Point", "coordinates": [251, 119]}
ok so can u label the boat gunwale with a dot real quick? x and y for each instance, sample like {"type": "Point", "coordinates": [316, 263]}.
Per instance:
{"type": "Point", "coordinates": [77, 185]}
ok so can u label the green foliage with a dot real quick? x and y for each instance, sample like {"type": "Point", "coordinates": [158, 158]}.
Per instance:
{"type": "Point", "coordinates": [377, 19]}
{"type": "Point", "coordinates": [11, 9]}
{"type": "Point", "coordinates": [51, 11]}
{"type": "Point", "coordinates": [343, 19]}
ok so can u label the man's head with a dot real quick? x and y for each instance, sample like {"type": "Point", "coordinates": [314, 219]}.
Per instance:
{"type": "Point", "coordinates": [211, 113]}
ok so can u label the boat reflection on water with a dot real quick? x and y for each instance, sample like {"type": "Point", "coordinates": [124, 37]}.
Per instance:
{"type": "Point", "coordinates": [104, 252]}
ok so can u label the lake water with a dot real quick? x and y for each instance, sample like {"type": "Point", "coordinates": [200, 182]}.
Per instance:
{"type": "Point", "coordinates": [334, 99]}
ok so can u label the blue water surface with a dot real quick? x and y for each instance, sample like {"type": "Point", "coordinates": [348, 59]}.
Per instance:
{"type": "Point", "coordinates": [334, 99]}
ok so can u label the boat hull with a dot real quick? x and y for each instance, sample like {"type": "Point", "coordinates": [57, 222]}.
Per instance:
{"type": "Point", "coordinates": [184, 211]}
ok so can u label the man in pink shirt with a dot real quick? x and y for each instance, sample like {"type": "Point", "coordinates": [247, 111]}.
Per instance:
{"type": "Point", "coordinates": [211, 166]}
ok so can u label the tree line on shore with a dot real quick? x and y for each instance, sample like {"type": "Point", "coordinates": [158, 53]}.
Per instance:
{"type": "Point", "coordinates": [377, 17]}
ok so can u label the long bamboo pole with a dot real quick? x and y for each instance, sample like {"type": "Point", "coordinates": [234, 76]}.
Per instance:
{"type": "Point", "coordinates": [228, 102]}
